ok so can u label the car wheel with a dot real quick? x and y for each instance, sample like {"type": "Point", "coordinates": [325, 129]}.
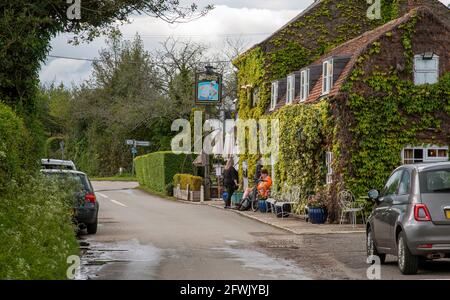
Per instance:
{"type": "Point", "coordinates": [407, 263]}
{"type": "Point", "coordinates": [372, 249]}
{"type": "Point", "coordinates": [92, 228]}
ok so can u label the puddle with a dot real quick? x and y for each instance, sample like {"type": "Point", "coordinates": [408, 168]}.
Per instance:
{"type": "Point", "coordinates": [270, 267]}
{"type": "Point", "coordinates": [129, 259]}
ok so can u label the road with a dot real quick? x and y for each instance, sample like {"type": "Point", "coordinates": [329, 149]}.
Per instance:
{"type": "Point", "coordinates": [141, 236]}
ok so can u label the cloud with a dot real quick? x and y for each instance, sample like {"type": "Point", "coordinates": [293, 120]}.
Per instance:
{"type": "Point", "coordinates": [66, 71]}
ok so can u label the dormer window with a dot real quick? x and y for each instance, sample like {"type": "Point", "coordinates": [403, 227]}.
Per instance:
{"type": "Point", "coordinates": [327, 73]}
{"type": "Point", "coordinates": [274, 95]}
{"type": "Point", "coordinates": [290, 93]}
{"type": "Point", "coordinates": [304, 84]}
{"type": "Point", "coordinates": [426, 68]}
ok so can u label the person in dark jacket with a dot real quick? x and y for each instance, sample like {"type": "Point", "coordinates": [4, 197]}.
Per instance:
{"type": "Point", "coordinates": [230, 181]}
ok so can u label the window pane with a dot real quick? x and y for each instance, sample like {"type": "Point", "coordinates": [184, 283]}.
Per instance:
{"type": "Point", "coordinates": [442, 153]}
{"type": "Point", "coordinates": [418, 153]}
{"type": "Point", "coordinates": [392, 184]}
{"type": "Point", "coordinates": [432, 153]}
{"type": "Point", "coordinates": [405, 184]}
{"type": "Point", "coordinates": [437, 181]}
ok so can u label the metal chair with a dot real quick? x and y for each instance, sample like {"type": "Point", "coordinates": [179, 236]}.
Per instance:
{"type": "Point", "coordinates": [347, 205]}
{"type": "Point", "coordinates": [290, 197]}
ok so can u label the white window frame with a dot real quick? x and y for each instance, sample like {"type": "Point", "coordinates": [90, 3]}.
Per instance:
{"type": "Point", "coordinates": [274, 95]}
{"type": "Point", "coordinates": [304, 85]}
{"type": "Point", "coordinates": [255, 96]}
{"type": "Point", "coordinates": [425, 158]}
{"type": "Point", "coordinates": [327, 76]}
{"type": "Point", "coordinates": [329, 162]}
{"type": "Point", "coordinates": [290, 91]}
{"type": "Point", "coordinates": [431, 75]}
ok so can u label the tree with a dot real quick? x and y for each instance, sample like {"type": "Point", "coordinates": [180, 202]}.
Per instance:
{"type": "Point", "coordinates": [27, 26]}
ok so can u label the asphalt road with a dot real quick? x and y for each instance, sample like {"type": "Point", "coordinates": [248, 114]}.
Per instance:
{"type": "Point", "coordinates": [141, 236]}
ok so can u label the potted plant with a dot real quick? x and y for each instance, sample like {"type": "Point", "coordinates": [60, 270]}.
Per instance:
{"type": "Point", "coordinates": [317, 209]}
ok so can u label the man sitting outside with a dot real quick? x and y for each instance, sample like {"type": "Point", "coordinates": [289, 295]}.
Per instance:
{"type": "Point", "coordinates": [263, 186]}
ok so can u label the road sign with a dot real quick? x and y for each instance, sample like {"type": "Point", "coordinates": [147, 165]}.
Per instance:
{"type": "Point", "coordinates": [129, 142]}
{"type": "Point", "coordinates": [134, 150]}
{"type": "Point", "coordinates": [143, 143]}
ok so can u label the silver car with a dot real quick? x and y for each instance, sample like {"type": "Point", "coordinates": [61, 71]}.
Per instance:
{"type": "Point", "coordinates": [411, 218]}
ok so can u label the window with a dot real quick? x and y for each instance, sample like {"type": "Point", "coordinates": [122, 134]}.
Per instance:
{"type": "Point", "coordinates": [412, 155]}
{"type": "Point", "coordinates": [327, 76]}
{"type": "Point", "coordinates": [329, 161]}
{"type": "Point", "coordinates": [255, 96]}
{"type": "Point", "coordinates": [435, 181]}
{"type": "Point", "coordinates": [405, 184]}
{"type": "Point", "coordinates": [274, 94]}
{"type": "Point", "coordinates": [304, 84]}
{"type": "Point", "coordinates": [391, 186]}
{"type": "Point", "coordinates": [426, 68]}
{"type": "Point", "coordinates": [290, 95]}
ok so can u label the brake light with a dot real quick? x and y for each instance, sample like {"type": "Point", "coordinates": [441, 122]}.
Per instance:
{"type": "Point", "coordinates": [425, 246]}
{"type": "Point", "coordinates": [421, 213]}
{"type": "Point", "coordinates": [90, 198]}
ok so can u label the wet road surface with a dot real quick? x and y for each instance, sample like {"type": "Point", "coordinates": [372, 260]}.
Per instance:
{"type": "Point", "coordinates": [141, 236]}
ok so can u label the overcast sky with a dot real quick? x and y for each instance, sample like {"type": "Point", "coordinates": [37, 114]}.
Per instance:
{"type": "Point", "coordinates": [252, 20]}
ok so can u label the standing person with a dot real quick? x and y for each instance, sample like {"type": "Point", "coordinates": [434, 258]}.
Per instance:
{"type": "Point", "coordinates": [230, 181]}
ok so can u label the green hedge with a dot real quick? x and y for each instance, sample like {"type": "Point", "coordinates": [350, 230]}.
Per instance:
{"type": "Point", "coordinates": [12, 139]}
{"type": "Point", "coordinates": [156, 170]}
{"type": "Point", "coordinates": [194, 182]}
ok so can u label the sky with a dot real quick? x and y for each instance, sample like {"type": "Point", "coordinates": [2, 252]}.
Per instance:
{"type": "Point", "coordinates": [250, 20]}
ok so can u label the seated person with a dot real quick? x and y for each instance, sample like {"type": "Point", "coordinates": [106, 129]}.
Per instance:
{"type": "Point", "coordinates": [263, 186]}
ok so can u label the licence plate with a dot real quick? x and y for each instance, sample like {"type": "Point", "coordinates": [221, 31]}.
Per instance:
{"type": "Point", "coordinates": [447, 213]}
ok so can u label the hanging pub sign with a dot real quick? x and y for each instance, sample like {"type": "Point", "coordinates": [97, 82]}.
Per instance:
{"type": "Point", "coordinates": [208, 87]}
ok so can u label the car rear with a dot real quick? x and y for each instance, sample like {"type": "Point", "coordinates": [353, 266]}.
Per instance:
{"type": "Point", "coordinates": [85, 202]}
{"type": "Point", "coordinates": [429, 227]}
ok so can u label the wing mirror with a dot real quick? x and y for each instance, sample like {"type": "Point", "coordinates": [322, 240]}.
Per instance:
{"type": "Point", "coordinates": [374, 195]}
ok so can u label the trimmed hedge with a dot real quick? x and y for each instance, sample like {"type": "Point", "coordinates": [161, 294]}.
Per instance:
{"type": "Point", "coordinates": [156, 170]}
{"type": "Point", "coordinates": [194, 182]}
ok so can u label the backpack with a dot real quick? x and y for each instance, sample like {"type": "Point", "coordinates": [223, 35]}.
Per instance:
{"type": "Point", "coordinates": [245, 204]}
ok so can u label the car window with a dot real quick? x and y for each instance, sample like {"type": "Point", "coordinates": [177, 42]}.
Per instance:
{"type": "Point", "coordinates": [79, 181]}
{"type": "Point", "coordinates": [405, 183]}
{"type": "Point", "coordinates": [392, 184]}
{"type": "Point", "coordinates": [435, 181]}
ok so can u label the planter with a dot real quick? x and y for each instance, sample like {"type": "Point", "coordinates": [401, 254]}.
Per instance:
{"type": "Point", "coordinates": [317, 215]}
{"type": "Point", "coordinates": [237, 197]}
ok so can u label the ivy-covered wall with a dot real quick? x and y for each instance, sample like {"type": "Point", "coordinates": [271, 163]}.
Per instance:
{"type": "Point", "coordinates": [383, 111]}
{"type": "Point", "coordinates": [379, 112]}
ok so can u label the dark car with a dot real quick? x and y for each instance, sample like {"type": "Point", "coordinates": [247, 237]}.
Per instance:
{"type": "Point", "coordinates": [85, 202]}
{"type": "Point", "coordinates": [411, 218]}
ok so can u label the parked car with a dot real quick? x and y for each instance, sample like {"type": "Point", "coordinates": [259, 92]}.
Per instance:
{"type": "Point", "coordinates": [85, 202]}
{"type": "Point", "coordinates": [411, 217]}
{"type": "Point", "coordinates": [48, 163]}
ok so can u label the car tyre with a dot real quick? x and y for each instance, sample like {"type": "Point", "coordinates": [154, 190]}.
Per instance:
{"type": "Point", "coordinates": [372, 248]}
{"type": "Point", "coordinates": [92, 228]}
{"type": "Point", "coordinates": [407, 263]}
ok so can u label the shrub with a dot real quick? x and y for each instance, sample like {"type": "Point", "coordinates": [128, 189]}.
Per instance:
{"type": "Point", "coordinates": [194, 182]}
{"type": "Point", "coordinates": [169, 189]}
{"type": "Point", "coordinates": [36, 231]}
{"type": "Point", "coordinates": [12, 138]}
{"type": "Point", "coordinates": [156, 170]}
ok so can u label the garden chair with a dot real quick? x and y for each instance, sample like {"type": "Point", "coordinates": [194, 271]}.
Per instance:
{"type": "Point", "coordinates": [348, 205]}
{"type": "Point", "coordinates": [290, 197]}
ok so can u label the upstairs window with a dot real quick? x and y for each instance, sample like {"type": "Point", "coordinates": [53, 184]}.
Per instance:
{"type": "Point", "coordinates": [327, 76]}
{"type": "Point", "coordinates": [426, 68]}
{"type": "Point", "coordinates": [304, 84]}
{"type": "Point", "coordinates": [290, 94]}
{"type": "Point", "coordinates": [274, 95]}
